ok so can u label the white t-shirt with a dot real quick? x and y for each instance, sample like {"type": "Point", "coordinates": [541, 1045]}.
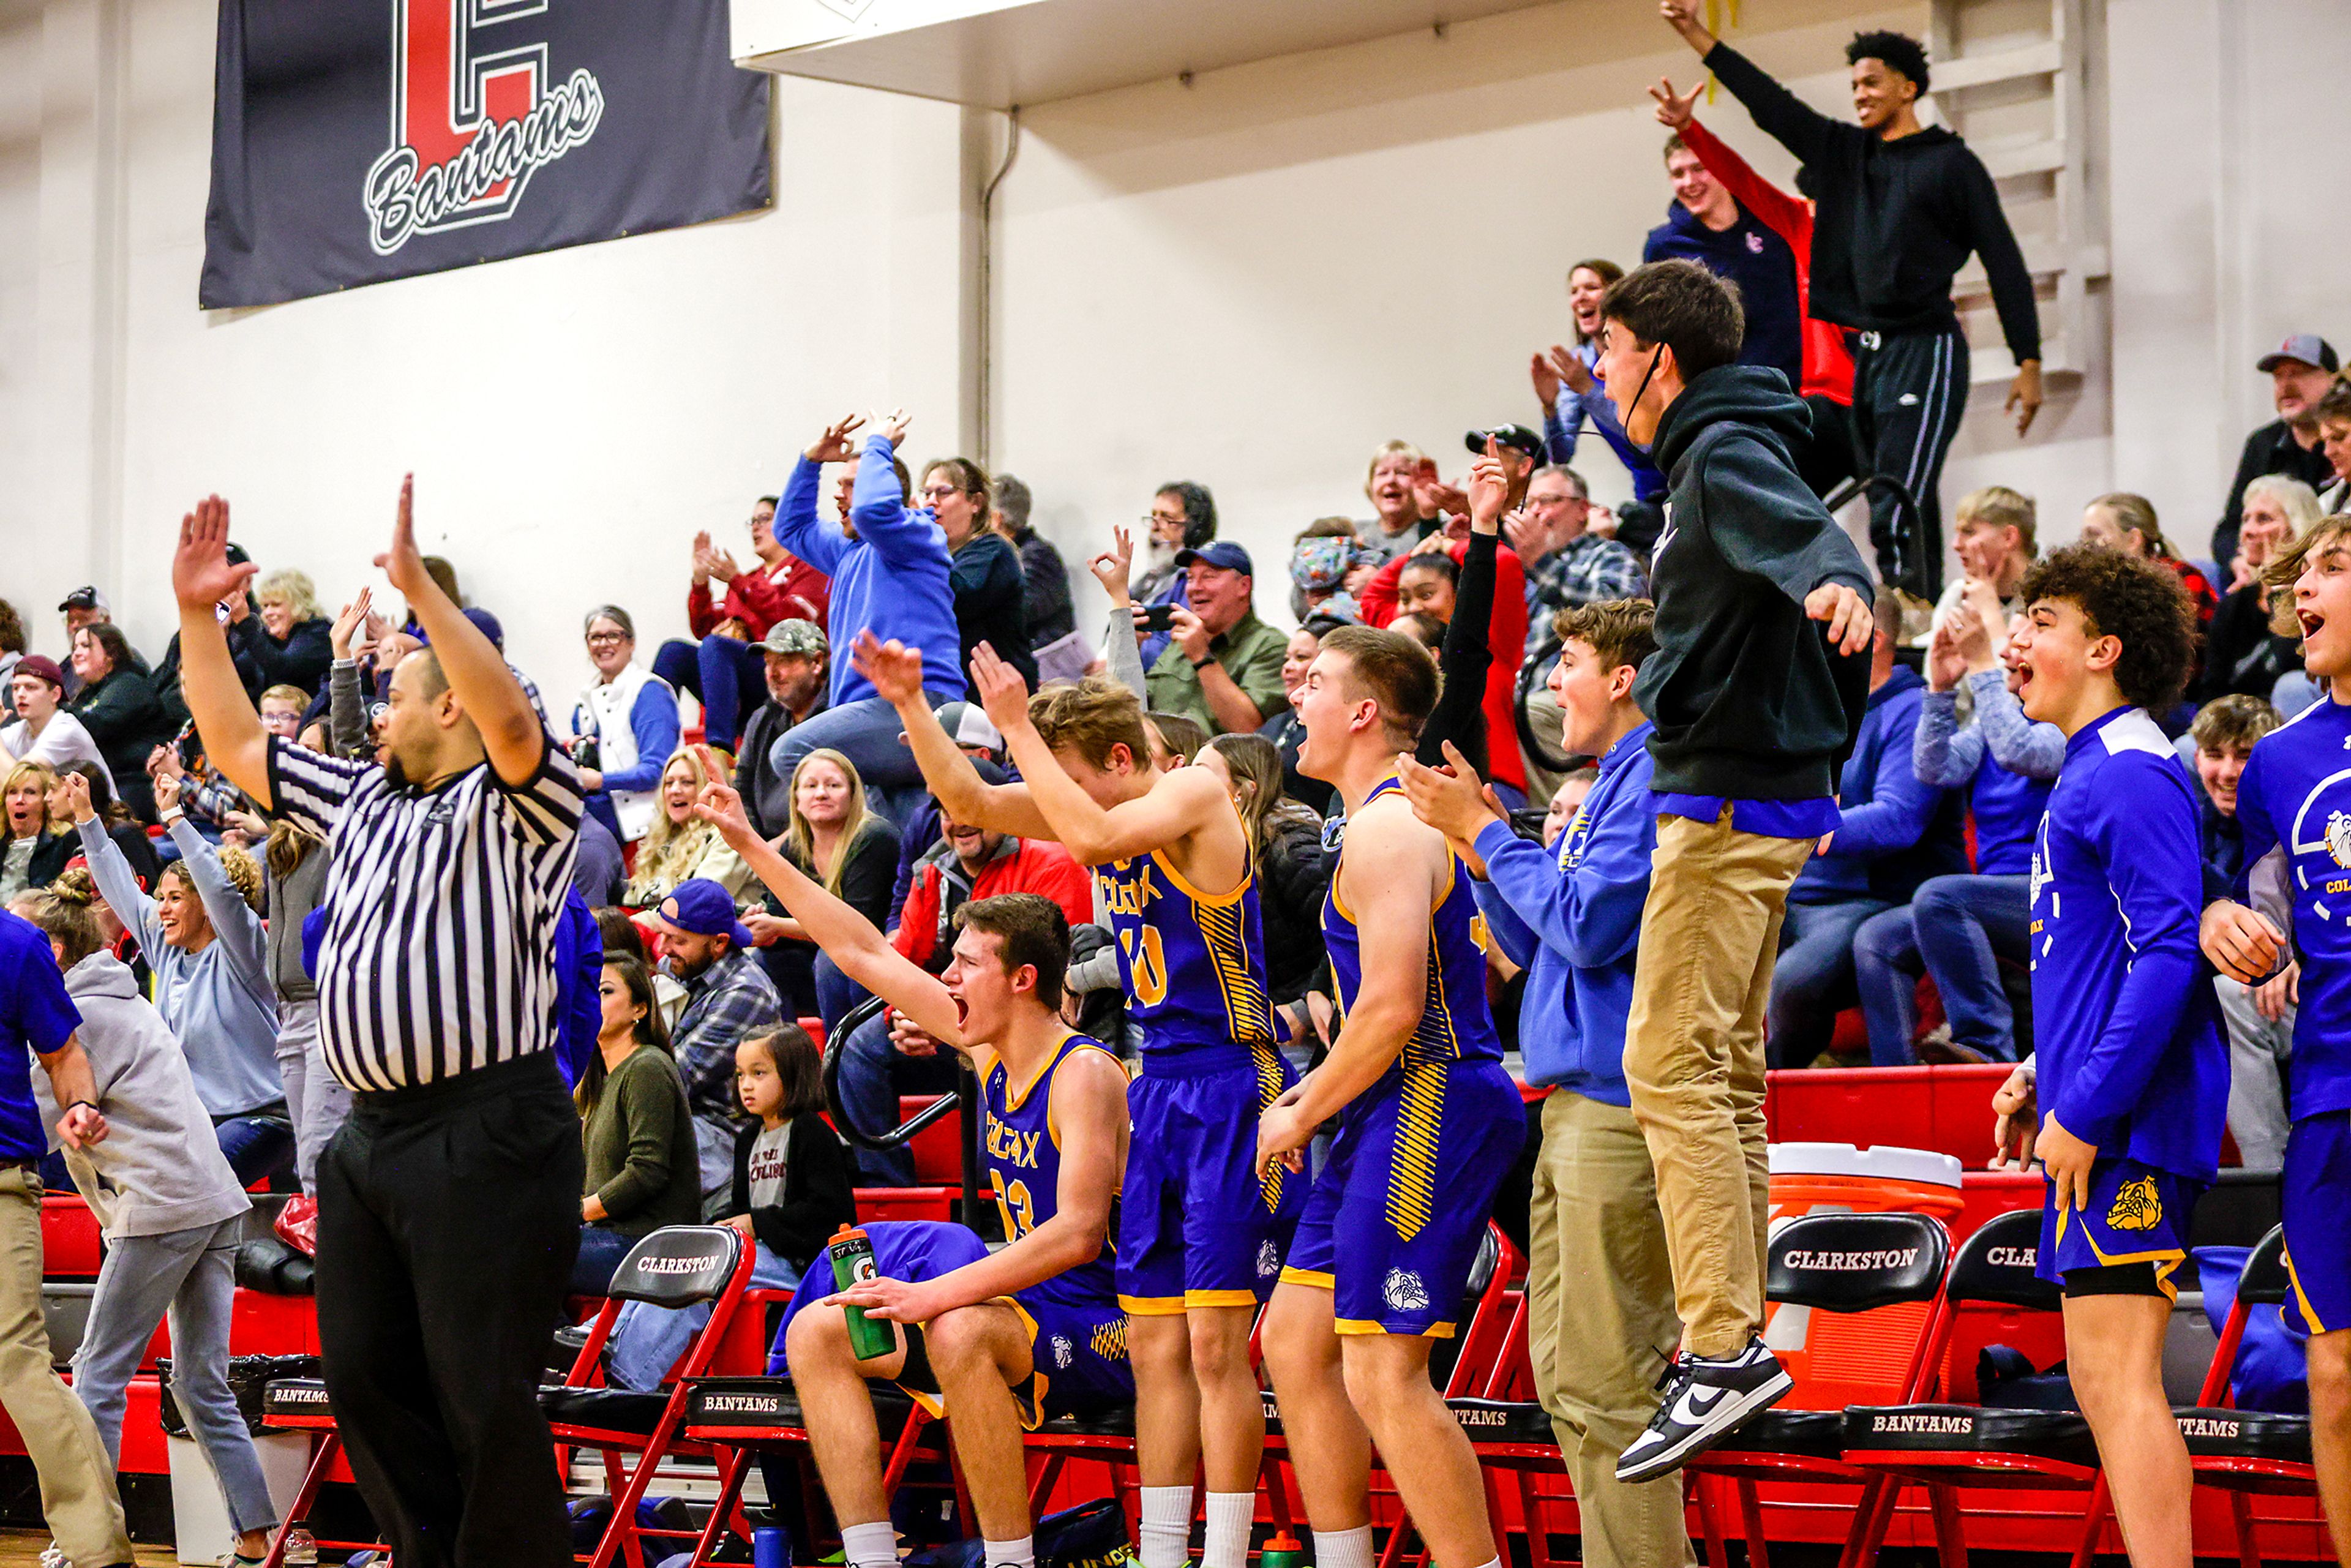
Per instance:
{"type": "Point", "coordinates": [767, 1172]}
{"type": "Point", "coordinates": [64, 740]}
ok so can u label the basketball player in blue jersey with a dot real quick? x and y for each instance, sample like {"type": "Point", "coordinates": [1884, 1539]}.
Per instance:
{"type": "Point", "coordinates": [1429, 1123]}
{"type": "Point", "coordinates": [2295, 802]}
{"type": "Point", "coordinates": [999, 1341]}
{"type": "Point", "coordinates": [1201, 1231]}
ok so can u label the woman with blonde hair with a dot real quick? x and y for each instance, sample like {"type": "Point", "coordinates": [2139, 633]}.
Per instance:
{"type": "Point", "coordinates": [854, 852]}
{"type": "Point", "coordinates": [2123, 521]}
{"type": "Point", "coordinates": [289, 644]}
{"type": "Point", "coordinates": [2244, 652]}
{"type": "Point", "coordinates": [676, 848]}
{"type": "Point", "coordinates": [33, 849]}
{"type": "Point", "coordinates": [1293, 868]}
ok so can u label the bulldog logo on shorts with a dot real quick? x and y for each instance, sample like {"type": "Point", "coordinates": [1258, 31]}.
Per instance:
{"type": "Point", "coordinates": [1268, 1261]}
{"type": "Point", "coordinates": [1063, 1352]}
{"type": "Point", "coordinates": [1403, 1292]}
{"type": "Point", "coordinates": [2137, 1207]}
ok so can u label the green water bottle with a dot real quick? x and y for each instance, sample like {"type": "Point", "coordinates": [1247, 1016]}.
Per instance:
{"type": "Point", "coordinates": [1281, 1550]}
{"type": "Point", "coordinates": [851, 1251]}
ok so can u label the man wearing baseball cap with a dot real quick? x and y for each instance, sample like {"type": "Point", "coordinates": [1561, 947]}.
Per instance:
{"type": "Point", "coordinates": [2301, 368]}
{"type": "Point", "coordinates": [1222, 666]}
{"type": "Point", "coordinates": [793, 653]}
{"type": "Point", "coordinates": [727, 997]}
{"type": "Point", "coordinates": [44, 732]}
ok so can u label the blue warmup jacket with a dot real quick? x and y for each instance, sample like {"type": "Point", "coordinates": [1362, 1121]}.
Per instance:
{"type": "Point", "coordinates": [1998, 757]}
{"type": "Point", "coordinates": [2293, 806]}
{"type": "Point", "coordinates": [1751, 255]}
{"type": "Point", "coordinates": [1892, 832]}
{"type": "Point", "coordinates": [2126, 1039]}
{"type": "Point", "coordinates": [1571, 919]}
{"type": "Point", "coordinates": [891, 580]}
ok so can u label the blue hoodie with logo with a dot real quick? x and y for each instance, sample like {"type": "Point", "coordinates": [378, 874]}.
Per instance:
{"type": "Point", "coordinates": [1750, 253]}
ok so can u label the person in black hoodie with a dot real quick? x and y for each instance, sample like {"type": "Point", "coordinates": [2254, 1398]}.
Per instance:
{"type": "Point", "coordinates": [1755, 710]}
{"type": "Point", "coordinates": [1900, 207]}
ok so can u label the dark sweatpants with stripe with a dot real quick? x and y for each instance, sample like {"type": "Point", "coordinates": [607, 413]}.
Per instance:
{"type": "Point", "coordinates": [1909, 391]}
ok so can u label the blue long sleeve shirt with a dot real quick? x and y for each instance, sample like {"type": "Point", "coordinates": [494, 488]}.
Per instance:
{"type": "Point", "coordinates": [2005, 760]}
{"type": "Point", "coordinates": [891, 580]}
{"type": "Point", "coordinates": [578, 968]}
{"type": "Point", "coordinates": [1571, 919]}
{"type": "Point", "coordinates": [2126, 1042]}
{"type": "Point", "coordinates": [1893, 830]}
{"type": "Point", "coordinates": [1564, 422]}
{"type": "Point", "coordinates": [2293, 806]}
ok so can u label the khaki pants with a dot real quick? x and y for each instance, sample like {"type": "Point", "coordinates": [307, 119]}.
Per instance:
{"type": "Point", "coordinates": [1694, 1060]}
{"type": "Point", "coordinates": [78, 1495]}
{"type": "Point", "coordinates": [1601, 1326]}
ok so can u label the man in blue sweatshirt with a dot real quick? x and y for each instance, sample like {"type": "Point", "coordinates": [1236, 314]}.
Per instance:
{"type": "Point", "coordinates": [2123, 1099]}
{"type": "Point", "coordinates": [889, 571]}
{"type": "Point", "coordinates": [1599, 1281]}
{"type": "Point", "coordinates": [1705, 224]}
{"type": "Point", "coordinates": [1892, 833]}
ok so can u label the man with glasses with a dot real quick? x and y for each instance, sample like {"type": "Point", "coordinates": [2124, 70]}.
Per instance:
{"type": "Point", "coordinates": [723, 668]}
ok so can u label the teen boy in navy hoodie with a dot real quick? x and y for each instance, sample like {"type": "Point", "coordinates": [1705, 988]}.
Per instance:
{"type": "Point", "coordinates": [1598, 1277]}
{"type": "Point", "coordinates": [2293, 801]}
{"type": "Point", "coordinates": [2123, 1099]}
{"type": "Point", "coordinates": [1754, 708]}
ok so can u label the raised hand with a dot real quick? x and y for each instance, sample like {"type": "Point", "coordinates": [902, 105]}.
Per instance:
{"type": "Point", "coordinates": [1946, 663]}
{"type": "Point", "coordinates": [1546, 380]}
{"type": "Point", "coordinates": [896, 670]}
{"type": "Point", "coordinates": [404, 563]}
{"type": "Point", "coordinates": [202, 574]}
{"type": "Point", "coordinates": [77, 806]}
{"type": "Point", "coordinates": [833, 446]}
{"type": "Point", "coordinates": [1573, 374]}
{"type": "Point", "coordinates": [1488, 489]}
{"type": "Point", "coordinates": [721, 565]}
{"type": "Point", "coordinates": [1114, 568]}
{"type": "Point", "coordinates": [164, 762]}
{"type": "Point", "coordinates": [891, 427]}
{"type": "Point", "coordinates": [1437, 499]}
{"type": "Point", "coordinates": [718, 803]}
{"type": "Point", "coordinates": [1675, 111]}
{"type": "Point", "coordinates": [1002, 692]}
{"type": "Point", "coordinates": [355, 616]}
{"type": "Point", "coordinates": [167, 792]}
{"type": "Point", "coordinates": [1681, 15]}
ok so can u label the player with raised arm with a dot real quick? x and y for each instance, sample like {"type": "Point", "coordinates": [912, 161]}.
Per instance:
{"type": "Point", "coordinates": [1201, 1231]}
{"type": "Point", "coordinates": [2294, 804]}
{"type": "Point", "coordinates": [1429, 1123]}
{"type": "Point", "coordinates": [999, 1341]}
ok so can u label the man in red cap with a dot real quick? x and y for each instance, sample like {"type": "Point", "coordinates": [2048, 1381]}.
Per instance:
{"type": "Point", "coordinates": [44, 731]}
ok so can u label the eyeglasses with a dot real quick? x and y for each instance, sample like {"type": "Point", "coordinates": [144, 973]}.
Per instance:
{"type": "Point", "coordinates": [1155, 520]}
{"type": "Point", "coordinates": [939, 492]}
{"type": "Point", "coordinates": [606, 638]}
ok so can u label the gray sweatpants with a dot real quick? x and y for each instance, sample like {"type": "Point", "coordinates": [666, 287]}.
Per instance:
{"type": "Point", "coordinates": [315, 1098]}
{"type": "Point", "coordinates": [2259, 1050]}
{"type": "Point", "coordinates": [191, 1275]}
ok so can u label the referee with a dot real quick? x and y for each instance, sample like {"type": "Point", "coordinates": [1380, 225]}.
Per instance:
{"type": "Point", "coordinates": [449, 1203]}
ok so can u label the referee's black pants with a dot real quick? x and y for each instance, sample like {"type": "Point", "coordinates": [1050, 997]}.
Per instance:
{"type": "Point", "coordinates": [448, 1219]}
{"type": "Point", "coordinates": [1909, 392]}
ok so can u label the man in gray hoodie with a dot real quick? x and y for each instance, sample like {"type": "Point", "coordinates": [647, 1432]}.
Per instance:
{"type": "Point", "coordinates": [171, 1211]}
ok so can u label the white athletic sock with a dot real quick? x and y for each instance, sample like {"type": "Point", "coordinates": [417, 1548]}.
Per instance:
{"type": "Point", "coordinates": [1343, 1548]}
{"type": "Point", "coordinates": [1166, 1526]}
{"type": "Point", "coordinates": [871, 1545]}
{"type": "Point", "coordinates": [1020, 1554]}
{"type": "Point", "coordinates": [1230, 1514]}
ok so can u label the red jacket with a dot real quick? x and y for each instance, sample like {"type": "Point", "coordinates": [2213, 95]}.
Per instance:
{"type": "Point", "coordinates": [760, 597]}
{"type": "Point", "coordinates": [1507, 636]}
{"type": "Point", "coordinates": [1828, 365]}
{"type": "Point", "coordinates": [1020, 865]}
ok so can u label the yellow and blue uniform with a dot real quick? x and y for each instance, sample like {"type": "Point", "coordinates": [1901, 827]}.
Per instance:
{"type": "Point", "coordinates": [1394, 1220]}
{"type": "Point", "coordinates": [1077, 1333]}
{"type": "Point", "coordinates": [2294, 805]}
{"type": "Point", "coordinates": [1197, 1227]}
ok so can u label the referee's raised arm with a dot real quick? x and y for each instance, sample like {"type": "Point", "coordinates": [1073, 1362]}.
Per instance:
{"type": "Point", "coordinates": [512, 736]}
{"type": "Point", "coordinates": [202, 577]}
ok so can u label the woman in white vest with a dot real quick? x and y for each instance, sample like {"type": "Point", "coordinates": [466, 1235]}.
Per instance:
{"type": "Point", "coordinates": [630, 714]}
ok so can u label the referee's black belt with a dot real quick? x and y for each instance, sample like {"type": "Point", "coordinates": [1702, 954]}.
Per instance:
{"type": "Point", "coordinates": [499, 1078]}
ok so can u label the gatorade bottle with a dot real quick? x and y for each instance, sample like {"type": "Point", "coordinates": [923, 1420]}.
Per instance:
{"type": "Point", "coordinates": [852, 1264]}
{"type": "Point", "coordinates": [1281, 1551]}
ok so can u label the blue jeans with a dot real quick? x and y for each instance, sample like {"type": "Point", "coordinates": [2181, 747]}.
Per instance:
{"type": "Point", "coordinates": [647, 1340]}
{"type": "Point", "coordinates": [602, 1248]}
{"type": "Point", "coordinates": [1954, 930]}
{"type": "Point", "coordinates": [258, 1143]}
{"type": "Point", "coordinates": [728, 674]}
{"type": "Point", "coordinates": [1813, 976]}
{"type": "Point", "coordinates": [873, 1073]}
{"type": "Point", "coordinates": [866, 732]}
{"type": "Point", "coordinates": [836, 993]}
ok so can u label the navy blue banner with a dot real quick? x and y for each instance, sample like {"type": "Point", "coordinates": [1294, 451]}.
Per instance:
{"type": "Point", "coordinates": [360, 140]}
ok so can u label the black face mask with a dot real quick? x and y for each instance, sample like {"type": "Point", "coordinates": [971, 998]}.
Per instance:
{"type": "Point", "coordinates": [1654, 355]}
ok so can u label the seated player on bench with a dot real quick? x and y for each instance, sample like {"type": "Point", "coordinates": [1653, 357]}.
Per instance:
{"type": "Point", "coordinates": [996, 1342]}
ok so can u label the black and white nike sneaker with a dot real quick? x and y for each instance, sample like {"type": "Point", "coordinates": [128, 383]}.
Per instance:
{"type": "Point", "coordinates": [1705, 1402]}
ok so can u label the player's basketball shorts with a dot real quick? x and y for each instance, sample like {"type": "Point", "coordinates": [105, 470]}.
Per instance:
{"type": "Point", "coordinates": [1077, 1342]}
{"type": "Point", "coordinates": [1197, 1227]}
{"type": "Point", "coordinates": [2135, 1224]}
{"type": "Point", "coordinates": [1395, 1219]}
{"type": "Point", "coordinates": [2317, 1195]}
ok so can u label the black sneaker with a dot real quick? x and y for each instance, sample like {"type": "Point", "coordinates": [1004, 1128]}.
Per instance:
{"type": "Point", "coordinates": [1705, 1402]}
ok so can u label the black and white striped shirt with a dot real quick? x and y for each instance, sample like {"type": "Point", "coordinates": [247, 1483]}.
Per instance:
{"type": "Point", "coordinates": [441, 905]}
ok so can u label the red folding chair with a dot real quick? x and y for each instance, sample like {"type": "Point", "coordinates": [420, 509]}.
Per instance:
{"type": "Point", "coordinates": [1843, 1264]}
{"type": "Point", "coordinates": [676, 1266]}
{"type": "Point", "coordinates": [299, 1405]}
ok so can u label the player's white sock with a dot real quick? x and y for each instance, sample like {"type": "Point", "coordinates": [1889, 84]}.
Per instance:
{"type": "Point", "coordinates": [1020, 1554]}
{"type": "Point", "coordinates": [1343, 1548]}
{"type": "Point", "coordinates": [871, 1545]}
{"type": "Point", "coordinates": [1230, 1514]}
{"type": "Point", "coordinates": [1166, 1526]}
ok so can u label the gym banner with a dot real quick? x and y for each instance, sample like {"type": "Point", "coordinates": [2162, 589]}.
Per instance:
{"type": "Point", "coordinates": [360, 140]}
